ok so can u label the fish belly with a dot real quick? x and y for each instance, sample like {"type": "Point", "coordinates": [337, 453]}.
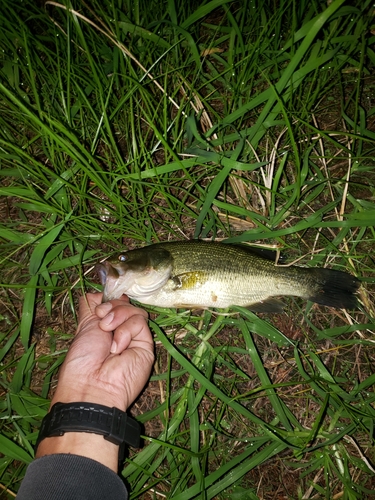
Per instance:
{"type": "Point", "coordinates": [221, 293]}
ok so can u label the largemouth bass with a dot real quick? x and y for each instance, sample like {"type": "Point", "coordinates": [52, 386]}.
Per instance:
{"type": "Point", "coordinates": [196, 274]}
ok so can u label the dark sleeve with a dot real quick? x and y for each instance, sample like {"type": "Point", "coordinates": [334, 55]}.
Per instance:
{"type": "Point", "coordinates": [70, 477]}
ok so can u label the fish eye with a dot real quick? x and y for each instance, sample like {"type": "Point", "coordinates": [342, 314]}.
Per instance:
{"type": "Point", "coordinates": [122, 258]}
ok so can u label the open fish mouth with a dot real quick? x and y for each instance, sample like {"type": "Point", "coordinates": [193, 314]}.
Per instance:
{"type": "Point", "coordinates": [102, 271]}
{"type": "Point", "coordinates": [109, 278]}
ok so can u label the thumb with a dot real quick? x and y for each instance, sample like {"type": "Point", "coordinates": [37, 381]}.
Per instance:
{"type": "Point", "coordinates": [87, 305]}
{"type": "Point", "coordinates": [89, 337]}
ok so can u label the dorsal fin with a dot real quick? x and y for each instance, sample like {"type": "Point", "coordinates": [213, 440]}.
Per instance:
{"type": "Point", "coordinates": [265, 253]}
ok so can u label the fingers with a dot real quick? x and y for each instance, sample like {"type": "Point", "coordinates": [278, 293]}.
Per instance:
{"type": "Point", "coordinates": [114, 313]}
{"type": "Point", "coordinates": [127, 322]}
{"type": "Point", "coordinates": [133, 333]}
{"type": "Point", "coordinates": [102, 309]}
{"type": "Point", "coordinates": [91, 301]}
{"type": "Point", "coordinates": [89, 321]}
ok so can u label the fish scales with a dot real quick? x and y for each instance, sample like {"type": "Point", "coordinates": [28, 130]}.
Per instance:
{"type": "Point", "coordinates": [232, 275]}
{"type": "Point", "coordinates": [196, 274]}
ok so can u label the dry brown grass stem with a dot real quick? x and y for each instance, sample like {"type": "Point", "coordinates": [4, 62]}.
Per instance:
{"type": "Point", "coordinates": [110, 36]}
{"type": "Point", "coordinates": [198, 106]}
{"type": "Point", "coordinates": [268, 175]}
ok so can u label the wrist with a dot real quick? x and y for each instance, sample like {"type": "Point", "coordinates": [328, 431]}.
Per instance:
{"type": "Point", "coordinates": [67, 393]}
{"type": "Point", "coordinates": [87, 445]}
{"type": "Point", "coordinates": [83, 428]}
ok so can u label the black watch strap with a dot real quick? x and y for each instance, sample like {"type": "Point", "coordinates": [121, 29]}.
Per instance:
{"type": "Point", "coordinates": [115, 425]}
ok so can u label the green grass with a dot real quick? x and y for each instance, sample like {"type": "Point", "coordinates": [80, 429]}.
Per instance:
{"type": "Point", "coordinates": [125, 123]}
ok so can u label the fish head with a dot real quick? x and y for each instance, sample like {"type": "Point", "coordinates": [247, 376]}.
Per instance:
{"type": "Point", "coordinates": [137, 273]}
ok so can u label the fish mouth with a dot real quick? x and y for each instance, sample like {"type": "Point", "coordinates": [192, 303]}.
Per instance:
{"type": "Point", "coordinates": [102, 272]}
{"type": "Point", "coordinates": [106, 270]}
{"type": "Point", "coordinates": [107, 273]}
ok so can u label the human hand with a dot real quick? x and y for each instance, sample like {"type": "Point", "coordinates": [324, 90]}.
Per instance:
{"type": "Point", "coordinates": [108, 363]}
{"type": "Point", "coordinates": [111, 356]}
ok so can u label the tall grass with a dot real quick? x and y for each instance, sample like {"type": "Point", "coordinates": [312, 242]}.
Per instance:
{"type": "Point", "coordinates": [124, 123]}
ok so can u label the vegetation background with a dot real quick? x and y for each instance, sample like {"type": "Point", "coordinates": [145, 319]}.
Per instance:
{"type": "Point", "coordinates": [124, 123]}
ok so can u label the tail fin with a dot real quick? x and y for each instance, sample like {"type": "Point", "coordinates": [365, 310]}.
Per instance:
{"type": "Point", "coordinates": [334, 288]}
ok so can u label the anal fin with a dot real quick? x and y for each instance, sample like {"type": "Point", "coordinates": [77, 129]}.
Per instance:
{"type": "Point", "coordinates": [270, 305]}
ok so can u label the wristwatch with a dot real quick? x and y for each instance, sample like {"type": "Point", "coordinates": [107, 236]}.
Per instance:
{"type": "Point", "coordinates": [115, 425]}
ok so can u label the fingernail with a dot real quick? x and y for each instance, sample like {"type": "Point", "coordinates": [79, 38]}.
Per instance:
{"type": "Point", "coordinates": [107, 319]}
{"type": "Point", "coordinates": [105, 308]}
{"type": "Point", "coordinates": [113, 347]}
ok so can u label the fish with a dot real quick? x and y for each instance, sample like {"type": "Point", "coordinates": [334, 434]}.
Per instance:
{"type": "Point", "coordinates": [198, 274]}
